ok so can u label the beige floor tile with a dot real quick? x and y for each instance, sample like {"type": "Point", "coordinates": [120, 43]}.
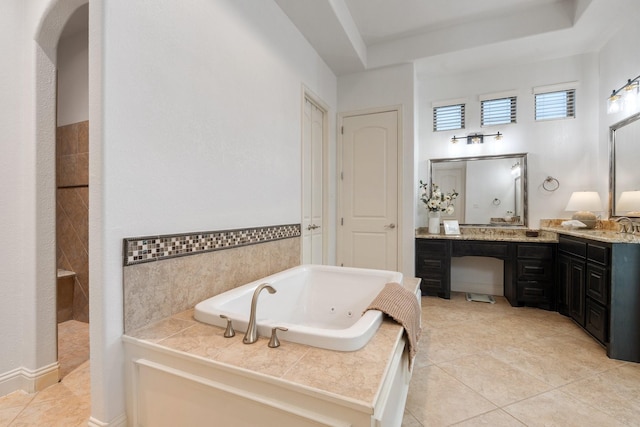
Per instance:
{"type": "Point", "coordinates": [437, 399]}
{"type": "Point", "coordinates": [56, 413]}
{"type": "Point", "coordinates": [615, 392]}
{"type": "Point", "coordinates": [498, 382]}
{"type": "Point", "coordinates": [496, 418]}
{"type": "Point", "coordinates": [556, 408]}
{"type": "Point", "coordinates": [7, 415]}
{"type": "Point", "coordinates": [409, 420]}
{"type": "Point", "coordinates": [17, 399]}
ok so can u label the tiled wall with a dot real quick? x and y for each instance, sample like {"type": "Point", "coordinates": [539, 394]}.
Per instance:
{"type": "Point", "coordinates": [72, 210]}
{"type": "Point", "coordinates": [164, 275]}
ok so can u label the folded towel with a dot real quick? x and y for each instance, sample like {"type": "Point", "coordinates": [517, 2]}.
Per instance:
{"type": "Point", "coordinates": [402, 305]}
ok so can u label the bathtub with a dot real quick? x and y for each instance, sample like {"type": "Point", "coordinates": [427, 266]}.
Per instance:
{"type": "Point", "coordinates": [320, 305]}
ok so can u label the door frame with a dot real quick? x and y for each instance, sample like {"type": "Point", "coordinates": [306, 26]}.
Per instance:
{"type": "Point", "coordinates": [315, 99]}
{"type": "Point", "coordinates": [400, 173]}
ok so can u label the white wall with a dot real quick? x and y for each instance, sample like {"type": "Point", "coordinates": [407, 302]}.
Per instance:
{"type": "Point", "coordinates": [564, 149]}
{"type": "Point", "coordinates": [201, 131]}
{"type": "Point", "coordinates": [73, 79]}
{"type": "Point", "coordinates": [13, 188]}
{"type": "Point", "coordinates": [382, 88]}
{"type": "Point", "coordinates": [618, 62]}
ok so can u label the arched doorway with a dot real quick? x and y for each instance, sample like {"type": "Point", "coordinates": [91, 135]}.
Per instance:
{"type": "Point", "coordinates": [43, 325]}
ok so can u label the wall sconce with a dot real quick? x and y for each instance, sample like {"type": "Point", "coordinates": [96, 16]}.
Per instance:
{"type": "Point", "coordinates": [476, 138]}
{"type": "Point", "coordinates": [583, 202]}
{"type": "Point", "coordinates": [624, 98]}
{"type": "Point", "coordinates": [629, 203]}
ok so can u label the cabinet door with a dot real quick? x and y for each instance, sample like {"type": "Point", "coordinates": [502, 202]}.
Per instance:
{"type": "Point", "coordinates": [598, 283]}
{"type": "Point", "coordinates": [564, 278]}
{"type": "Point", "coordinates": [597, 321]}
{"type": "Point", "coordinates": [576, 291]}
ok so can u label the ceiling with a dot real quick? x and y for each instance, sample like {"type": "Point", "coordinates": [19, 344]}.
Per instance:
{"type": "Point", "coordinates": [444, 36]}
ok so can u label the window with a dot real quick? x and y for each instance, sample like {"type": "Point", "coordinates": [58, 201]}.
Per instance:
{"type": "Point", "coordinates": [556, 105]}
{"type": "Point", "coordinates": [498, 111]}
{"type": "Point", "coordinates": [448, 117]}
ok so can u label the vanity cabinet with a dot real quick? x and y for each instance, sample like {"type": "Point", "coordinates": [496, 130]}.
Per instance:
{"type": "Point", "coordinates": [599, 287]}
{"type": "Point", "coordinates": [529, 277]}
{"type": "Point", "coordinates": [433, 266]}
{"type": "Point", "coordinates": [535, 274]}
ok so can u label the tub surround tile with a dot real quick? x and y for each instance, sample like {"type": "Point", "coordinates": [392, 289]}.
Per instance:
{"type": "Point", "coordinates": [153, 248]}
{"type": "Point", "coordinates": [157, 290]}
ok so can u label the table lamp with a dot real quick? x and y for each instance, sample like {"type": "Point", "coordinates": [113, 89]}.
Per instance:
{"type": "Point", "coordinates": [629, 203]}
{"type": "Point", "coordinates": [583, 203]}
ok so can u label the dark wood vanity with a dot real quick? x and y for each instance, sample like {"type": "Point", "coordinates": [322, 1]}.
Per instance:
{"type": "Point", "coordinates": [595, 283]}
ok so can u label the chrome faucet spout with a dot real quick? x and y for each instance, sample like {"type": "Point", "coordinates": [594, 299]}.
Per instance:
{"type": "Point", "coordinates": [631, 225]}
{"type": "Point", "coordinates": [251, 335]}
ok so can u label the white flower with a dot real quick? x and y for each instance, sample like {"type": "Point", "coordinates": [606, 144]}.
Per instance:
{"type": "Point", "coordinates": [449, 210]}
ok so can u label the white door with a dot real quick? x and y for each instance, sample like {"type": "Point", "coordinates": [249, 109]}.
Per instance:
{"type": "Point", "coordinates": [449, 177]}
{"type": "Point", "coordinates": [312, 164]}
{"type": "Point", "coordinates": [368, 226]}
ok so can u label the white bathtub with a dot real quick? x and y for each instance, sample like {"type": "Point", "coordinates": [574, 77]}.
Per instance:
{"type": "Point", "coordinates": [320, 305]}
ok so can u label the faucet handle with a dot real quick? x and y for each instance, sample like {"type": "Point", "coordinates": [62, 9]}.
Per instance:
{"type": "Point", "coordinates": [274, 341]}
{"type": "Point", "coordinates": [228, 332]}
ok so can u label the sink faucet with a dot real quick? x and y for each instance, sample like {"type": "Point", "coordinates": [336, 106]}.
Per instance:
{"type": "Point", "coordinates": [630, 228]}
{"type": "Point", "coordinates": [251, 335]}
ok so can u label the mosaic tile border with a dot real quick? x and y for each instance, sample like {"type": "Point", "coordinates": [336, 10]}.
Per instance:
{"type": "Point", "coordinates": [138, 250]}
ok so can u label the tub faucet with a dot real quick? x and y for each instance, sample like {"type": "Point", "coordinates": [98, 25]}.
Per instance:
{"type": "Point", "coordinates": [251, 335]}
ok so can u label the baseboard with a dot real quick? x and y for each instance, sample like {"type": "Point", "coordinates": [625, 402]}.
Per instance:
{"type": "Point", "coordinates": [120, 421]}
{"type": "Point", "coordinates": [29, 380]}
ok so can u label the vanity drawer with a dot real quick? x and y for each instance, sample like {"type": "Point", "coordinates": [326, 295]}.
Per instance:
{"type": "Point", "coordinates": [534, 291]}
{"type": "Point", "coordinates": [598, 253]}
{"type": "Point", "coordinates": [535, 251]}
{"type": "Point", "coordinates": [535, 270]}
{"type": "Point", "coordinates": [573, 247]}
{"type": "Point", "coordinates": [490, 249]}
{"type": "Point", "coordinates": [431, 267]}
{"type": "Point", "coordinates": [433, 249]}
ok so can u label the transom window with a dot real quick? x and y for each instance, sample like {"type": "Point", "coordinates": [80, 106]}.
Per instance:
{"type": "Point", "coordinates": [556, 105]}
{"type": "Point", "coordinates": [448, 117]}
{"type": "Point", "coordinates": [498, 111]}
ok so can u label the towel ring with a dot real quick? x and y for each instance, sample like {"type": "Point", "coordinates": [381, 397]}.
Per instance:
{"type": "Point", "coordinates": [551, 184]}
{"type": "Point", "coordinates": [496, 201]}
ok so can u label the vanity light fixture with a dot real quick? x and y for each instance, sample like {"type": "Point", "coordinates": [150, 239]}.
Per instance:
{"type": "Point", "coordinates": [476, 138]}
{"type": "Point", "coordinates": [583, 203]}
{"type": "Point", "coordinates": [624, 98]}
{"type": "Point", "coordinates": [629, 203]}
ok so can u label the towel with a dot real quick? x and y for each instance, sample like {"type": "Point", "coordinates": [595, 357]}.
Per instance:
{"type": "Point", "coordinates": [402, 305]}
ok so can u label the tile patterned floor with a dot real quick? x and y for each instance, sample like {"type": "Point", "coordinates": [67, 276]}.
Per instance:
{"type": "Point", "coordinates": [65, 404]}
{"type": "Point", "coordinates": [494, 365]}
{"type": "Point", "coordinates": [479, 365]}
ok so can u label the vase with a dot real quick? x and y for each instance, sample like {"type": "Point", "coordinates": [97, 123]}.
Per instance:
{"type": "Point", "coordinates": [434, 222]}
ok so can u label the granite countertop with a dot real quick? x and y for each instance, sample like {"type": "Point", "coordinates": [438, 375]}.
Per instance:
{"type": "Point", "coordinates": [605, 231]}
{"type": "Point", "coordinates": [495, 234]}
{"type": "Point", "coordinates": [356, 375]}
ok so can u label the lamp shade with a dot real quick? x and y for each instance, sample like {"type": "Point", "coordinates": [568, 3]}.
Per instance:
{"type": "Point", "coordinates": [584, 201]}
{"type": "Point", "coordinates": [629, 201]}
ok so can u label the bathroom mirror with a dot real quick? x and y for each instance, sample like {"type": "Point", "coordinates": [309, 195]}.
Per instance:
{"type": "Point", "coordinates": [492, 189]}
{"type": "Point", "coordinates": [624, 152]}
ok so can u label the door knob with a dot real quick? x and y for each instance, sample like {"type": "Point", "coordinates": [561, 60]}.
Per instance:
{"type": "Point", "coordinates": [313, 227]}
{"type": "Point", "coordinates": [391, 226]}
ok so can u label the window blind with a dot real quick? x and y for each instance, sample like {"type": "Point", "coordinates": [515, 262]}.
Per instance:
{"type": "Point", "coordinates": [556, 105]}
{"type": "Point", "coordinates": [498, 111]}
{"type": "Point", "coordinates": [448, 117]}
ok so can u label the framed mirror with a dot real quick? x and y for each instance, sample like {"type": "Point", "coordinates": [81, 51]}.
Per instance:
{"type": "Point", "coordinates": [624, 174]}
{"type": "Point", "coordinates": [492, 189]}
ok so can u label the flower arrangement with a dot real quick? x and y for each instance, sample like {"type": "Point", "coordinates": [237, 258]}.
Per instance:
{"type": "Point", "coordinates": [437, 201]}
